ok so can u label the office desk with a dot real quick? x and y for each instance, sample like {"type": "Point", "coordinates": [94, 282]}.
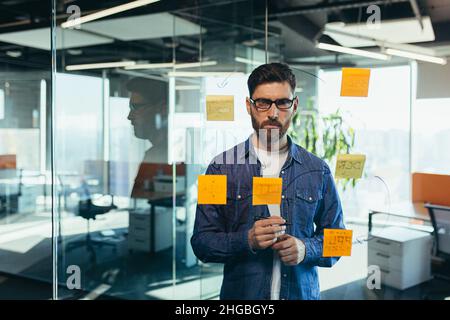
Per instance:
{"type": "Point", "coordinates": [149, 227]}
{"type": "Point", "coordinates": [413, 212]}
{"type": "Point", "coordinates": [162, 199]}
{"type": "Point", "coordinates": [435, 289]}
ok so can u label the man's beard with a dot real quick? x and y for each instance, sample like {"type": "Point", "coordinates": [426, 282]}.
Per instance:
{"type": "Point", "coordinates": [145, 132]}
{"type": "Point", "coordinates": [269, 136]}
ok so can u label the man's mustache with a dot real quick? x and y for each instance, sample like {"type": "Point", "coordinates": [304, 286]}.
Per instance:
{"type": "Point", "coordinates": [271, 123]}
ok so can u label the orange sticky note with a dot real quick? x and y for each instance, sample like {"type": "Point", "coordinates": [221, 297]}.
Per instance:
{"type": "Point", "coordinates": [266, 190]}
{"type": "Point", "coordinates": [337, 242]}
{"type": "Point", "coordinates": [355, 82]}
{"type": "Point", "coordinates": [212, 189]}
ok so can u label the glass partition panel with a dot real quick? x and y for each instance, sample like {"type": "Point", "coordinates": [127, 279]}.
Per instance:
{"type": "Point", "coordinates": [25, 138]}
{"type": "Point", "coordinates": [146, 97]}
{"type": "Point", "coordinates": [111, 145]}
{"type": "Point", "coordinates": [225, 48]}
{"type": "Point", "coordinates": [25, 203]}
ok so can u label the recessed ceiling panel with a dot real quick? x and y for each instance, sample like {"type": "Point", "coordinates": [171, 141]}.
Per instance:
{"type": "Point", "coordinates": [65, 38]}
{"type": "Point", "coordinates": [394, 31]}
{"type": "Point", "coordinates": [149, 26]}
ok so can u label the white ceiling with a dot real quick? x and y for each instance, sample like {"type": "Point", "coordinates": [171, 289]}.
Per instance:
{"type": "Point", "coordinates": [394, 31]}
{"type": "Point", "coordinates": [147, 26]}
{"type": "Point", "coordinates": [65, 38]}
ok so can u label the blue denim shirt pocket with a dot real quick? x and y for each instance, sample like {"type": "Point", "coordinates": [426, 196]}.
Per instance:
{"type": "Point", "coordinates": [306, 202]}
{"type": "Point", "coordinates": [238, 209]}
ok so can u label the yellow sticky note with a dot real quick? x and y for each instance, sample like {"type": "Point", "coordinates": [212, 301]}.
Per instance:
{"type": "Point", "coordinates": [266, 190]}
{"type": "Point", "coordinates": [212, 189]}
{"type": "Point", "coordinates": [337, 242]}
{"type": "Point", "coordinates": [219, 108]}
{"type": "Point", "coordinates": [355, 82]}
{"type": "Point", "coordinates": [349, 166]}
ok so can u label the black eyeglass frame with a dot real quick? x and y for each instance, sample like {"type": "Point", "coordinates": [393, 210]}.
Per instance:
{"type": "Point", "coordinates": [138, 106]}
{"type": "Point", "coordinates": [253, 102]}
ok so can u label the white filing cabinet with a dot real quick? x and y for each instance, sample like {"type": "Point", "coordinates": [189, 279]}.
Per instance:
{"type": "Point", "coordinates": [141, 232]}
{"type": "Point", "coordinates": [403, 256]}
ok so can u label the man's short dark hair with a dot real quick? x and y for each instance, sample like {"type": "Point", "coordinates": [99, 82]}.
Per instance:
{"type": "Point", "coordinates": [151, 90]}
{"type": "Point", "coordinates": [271, 72]}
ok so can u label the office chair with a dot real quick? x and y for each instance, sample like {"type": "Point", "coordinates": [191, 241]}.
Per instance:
{"type": "Point", "coordinates": [440, 220]}
{"type": "Point", "coordinates": [89, 211]}
{"type": "Point", "coordinates": [9, 203]}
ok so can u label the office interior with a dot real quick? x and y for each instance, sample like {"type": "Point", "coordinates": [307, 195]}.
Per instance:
{"type": "Point", "coordinates": [92, 185]}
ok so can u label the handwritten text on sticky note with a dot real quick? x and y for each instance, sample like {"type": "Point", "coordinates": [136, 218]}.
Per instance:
{"type": "Point", "coordinates": [355, 82]}
{"type": "Point", "coordinates": [212, 189]}
{"type": "Point", "coordinates": [266, 190]}
{"type": "Point", "coordinates": [219, 108]}
{"type": "Point", "coordinates": [349, 166]}
{"type": "Point", "coordinates": [337, 242]}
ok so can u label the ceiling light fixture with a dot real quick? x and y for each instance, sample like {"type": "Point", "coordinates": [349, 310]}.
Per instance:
{"type": "Point", "coordinates": [356, 52]}
{"type": "Point", "coordinates": [195, 64]}
{"type": "Point", "coordinates": [248, 61]}
{"type": "Point", "coordinates": [106, 12]}
{"type": "Point", "coordinates": [416, 56]}
{"type": "Point", "coordinates": [103, 65]}
{"type": "Point", "coordinates": [171, 65]}
{"type": "Point", "coordinates": [203, 74]}
{"type": "Point", "coordinates": [150, 66]}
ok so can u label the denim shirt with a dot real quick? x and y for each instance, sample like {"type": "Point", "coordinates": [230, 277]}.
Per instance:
{"type": "Point", "coordinates": [310, 203]}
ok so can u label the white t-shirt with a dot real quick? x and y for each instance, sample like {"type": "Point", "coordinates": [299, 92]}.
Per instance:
{"type": "Point", "coordinates": [271, 164]}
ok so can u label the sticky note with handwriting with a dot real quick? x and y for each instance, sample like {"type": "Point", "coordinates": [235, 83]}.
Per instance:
{"type": "Point", "coordinates": [212, 189]}
{"type": "Point", "coordinates": [355, 82]}
{"type": "Point", "coordinates": [349, 166]}
{"type": "Point", "coordinates": [337, 242]}
{"type": "Point", "coordinates": [266, 190]}
{"type": "Point", "coordinates": [219, 108]}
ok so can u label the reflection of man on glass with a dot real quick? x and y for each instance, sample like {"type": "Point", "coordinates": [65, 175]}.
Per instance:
{"type": "Point", "coordinates": [270, 251]}
{"type": "Point", "coordinates": [148, 115]}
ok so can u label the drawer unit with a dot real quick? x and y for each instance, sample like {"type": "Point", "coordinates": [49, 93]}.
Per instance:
{"type": "Point", "coordinates": [139, 232]}
{"type": "Point", "coordinates": [139, 219]}
{"type": "Point", "coordinates": [403, 256]}
{"type": "Point", "coordinates": [385, 245]}
{"type": "Point", "coordinates": [143, 236]}
{"type": "Point", "coordinates": [393, 278]}
{"type": "Point", "coordinates": [385, 259]}
{"type": "Point", "coordinates": [137, 243]}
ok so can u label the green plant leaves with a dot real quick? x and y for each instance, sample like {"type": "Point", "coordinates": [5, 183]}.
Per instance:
{"type": "Point", "coordinates": [323, 135]}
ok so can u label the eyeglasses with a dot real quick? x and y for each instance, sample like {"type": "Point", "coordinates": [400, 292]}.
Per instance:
{"type": "Point", "coordinates": [263, 104]}
{"type": "Point", "coordinates": [137, 106]}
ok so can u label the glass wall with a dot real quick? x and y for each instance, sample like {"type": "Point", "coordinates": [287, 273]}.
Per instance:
{"type": "Point", "coordinates": [132, 137]}
{"type": "Point", "coordinates": [25, 167]}
{"type": "Point", "coordinates": [382, 132]}
{"type": "Point", "coordinates": [106, 124]}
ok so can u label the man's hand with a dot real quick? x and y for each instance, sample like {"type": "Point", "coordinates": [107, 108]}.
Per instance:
{"type": "Point", "coordinates": [264, 232]}
{"type": "Point", "coordinates": [290, 249]}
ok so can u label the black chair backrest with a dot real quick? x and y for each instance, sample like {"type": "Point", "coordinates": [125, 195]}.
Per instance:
{"type": "Point", "coordinates": [440, 219]}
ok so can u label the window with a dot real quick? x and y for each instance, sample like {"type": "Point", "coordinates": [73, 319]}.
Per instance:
{"type": "Point", "coordinates": [381, 133]}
